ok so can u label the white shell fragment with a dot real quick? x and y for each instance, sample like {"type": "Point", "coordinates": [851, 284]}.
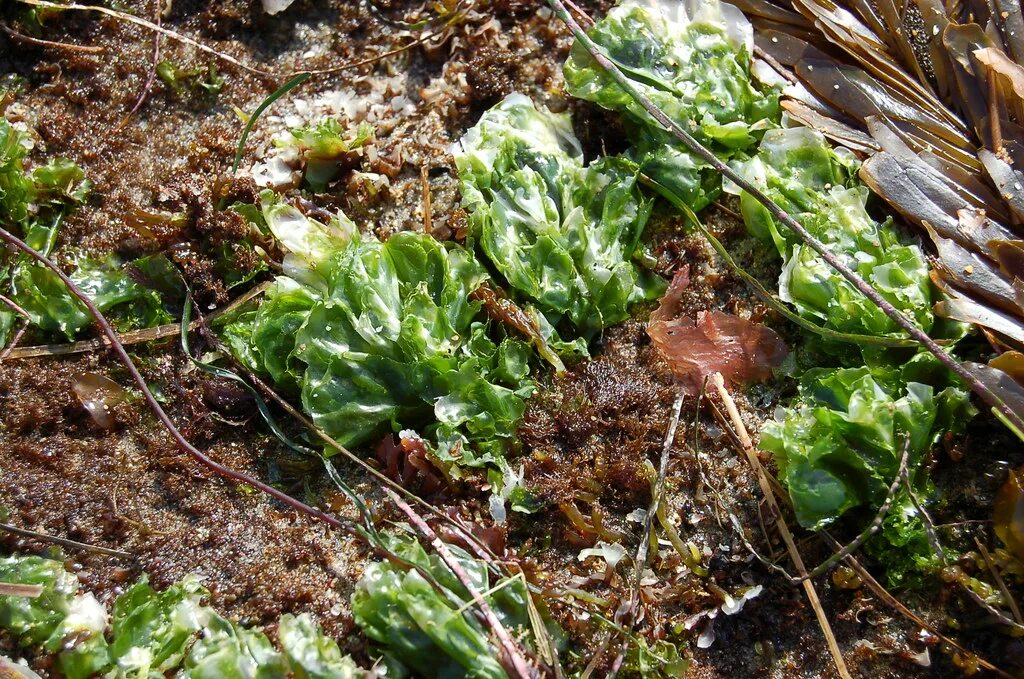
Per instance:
{"type": "Point", "coordinates": [275, 6]}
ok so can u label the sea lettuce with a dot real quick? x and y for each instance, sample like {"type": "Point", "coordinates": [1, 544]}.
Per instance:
{"type": "Point", "coordinates": [154, 634]}
{"type": "Point", "coordinates": [818, 186]}
{"type": "Point", "coordinates": [380, 336]}
{"type": "Point", "coordinates": [33, 205]}
{"type": "Point", "coordinates": [17, 188]}
{"type": "Point", "coordinates": [311, 655]}
{"type": "Point", "coordinates": [693, 61]}
{"type": "Point", "coordinates": [58, 614]}
{"type": "Point", "coordinates": [562, 233]}
{"type": "Point", "coordinates": [226, 649]}
{"type": "Point", "coordinates": [151, 629]}
{"type": "Point", "coordinates": [53, 309]}
{"type": "Point", "coordinates": [840, 444]}
{"type": "Point", "coordinates": [423, 632]}
{"type": "Point", "coordinates": [325, 147]}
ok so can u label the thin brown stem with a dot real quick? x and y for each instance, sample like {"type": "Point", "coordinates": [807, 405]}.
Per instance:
{"type": "Point", "coordinates": [780, 524]}
{"type": "Point", "coordinates": [783, 217]}
{"type": "Point", "coordinates": [428, 210]}
{"type": "Point", "coordinates": [19, 590]}
{"type": "Point", "coordinates": [581, 13]}
{"type": "Point", "coordinates": [774, 63]}
{"type": "Point", "coordinates": [513, 660]}
{"type": "Point", "coordinates": [64, 542]}
{"type": "Point", "coordinates": [39, 42]}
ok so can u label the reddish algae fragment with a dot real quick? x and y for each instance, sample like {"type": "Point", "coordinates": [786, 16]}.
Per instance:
{"type": "Point", "coordinates": [743, 351]}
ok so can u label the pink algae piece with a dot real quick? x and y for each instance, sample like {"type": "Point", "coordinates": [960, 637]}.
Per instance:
{"type": "Point", "coordinates": [743, 351]}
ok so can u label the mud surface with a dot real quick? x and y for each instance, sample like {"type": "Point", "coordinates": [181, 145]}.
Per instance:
{"type": "Point", "coordinates": [589, 434]}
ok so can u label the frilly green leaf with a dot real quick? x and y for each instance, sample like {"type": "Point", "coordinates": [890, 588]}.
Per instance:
{"type": "Point", "coordinates": [381, 336]}
{"type": "Point", "coordinates": [693, 61]}
{"type": "Point", "coordinates": [562, 233]}
{"type": "Point", "coordinates": [840, 445]}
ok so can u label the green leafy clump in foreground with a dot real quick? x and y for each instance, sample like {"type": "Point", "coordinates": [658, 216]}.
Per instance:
{"type": "Point", "coordinates": [33, 205]}
{"type": "Point", "coordinates": [562, 233]}
{"type": "Point", "coordinates": [380, 336]}
{"type": "Point", "coordinates": [692, 60]}
{"type": "Point", "coordinates": [422, 632]}
{"type": "Point", "coordinates": [155, 634]}
{"type": "Point", "coordinates": [839, 443]}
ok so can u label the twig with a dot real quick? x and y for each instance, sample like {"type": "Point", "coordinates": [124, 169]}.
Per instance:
{"type": "Point", "coordinates": [776, 66]}
{"type": "Point", "coordinates": [134, 337]}
{"type": "Point", "coordinates": [513, 660]}
{"type": "Point", "coordinates": [1010, 601]}
{"type": "Point", "coordinates": [883, 594]}
{"type": "Point", "coordinates": [64, 542]}
{"type": "Point", "coordinates": [17, 589]}
{"type": "Point", "coordinates": [780, 523]}
{"type": "Point", "coordinates": [151, 76]}
{"type": "Point", "coordinates": [629, 612]}
{"type": "Point", "coordinates": [926, 519]}
{"type": "Point", "coordinates": [782, 216]}
{"type": "Point", "coordinates": [26, 320]}
{"type": "Point", "coordinates": [727, 210]}
{"type": "Point", "coordinates": [428, 217]}
{"type": "Point", "coordinates": [582, 14]}
{"type": "Point", "coordinates": [84, 346]}
{"type": "Point", "coordinates": [39, 42]}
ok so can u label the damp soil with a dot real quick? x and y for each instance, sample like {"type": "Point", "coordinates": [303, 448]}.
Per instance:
{"type": "Point", "coordinates": [589, 435]}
